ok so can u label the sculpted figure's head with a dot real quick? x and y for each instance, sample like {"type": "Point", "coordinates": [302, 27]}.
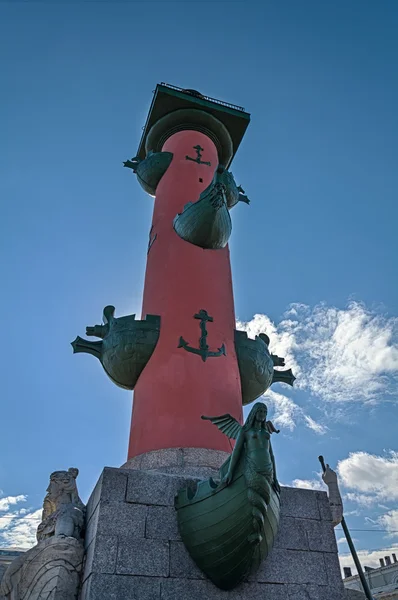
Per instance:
{"type": "Point", "coordinates": [258, 413]}
{"type": "Point", "coordinates": [62, 482]}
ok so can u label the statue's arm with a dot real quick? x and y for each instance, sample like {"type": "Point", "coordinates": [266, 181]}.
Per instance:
{"type": "Point", "coordinates": [240, 440]}
{"type": "Point", "coordinates": [276, 482]}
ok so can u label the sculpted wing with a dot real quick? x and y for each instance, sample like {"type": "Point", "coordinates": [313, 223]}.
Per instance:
{"type": "Point", "coordinates": [227, 424]}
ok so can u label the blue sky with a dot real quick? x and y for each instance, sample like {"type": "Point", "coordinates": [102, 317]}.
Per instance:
{"type": "Point", "coordinates": [314, 256]}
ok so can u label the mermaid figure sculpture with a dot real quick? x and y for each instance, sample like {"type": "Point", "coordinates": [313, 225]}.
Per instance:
{"type": "Point", "coordinates": [253, 445]}
{"type": "Point", "coordinates": [229, 526]}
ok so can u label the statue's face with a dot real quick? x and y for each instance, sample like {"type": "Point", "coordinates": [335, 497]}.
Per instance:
{"type": "Point", "coordinates": [60, 481]}
{"type": "Point", "coordinates": [261, 414]}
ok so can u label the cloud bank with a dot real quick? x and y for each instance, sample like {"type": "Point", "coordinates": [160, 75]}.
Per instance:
{"type": "Point", "coordinates": [17, 525]}
{"type": "Point", "coordinates": [372, 478]}
{"type": "Point", "coordinates": [340, 355]}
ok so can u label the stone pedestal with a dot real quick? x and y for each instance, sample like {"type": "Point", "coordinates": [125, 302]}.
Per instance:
{"type": "Point", "coordinates": [134, 551]}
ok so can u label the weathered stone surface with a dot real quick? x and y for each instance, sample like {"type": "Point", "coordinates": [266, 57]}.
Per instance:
{"type": "Point", "coordinates": [161, 523]}
{"type": "Point", "coordinates": [151, 563]}
{"type": "Point", "coordinates": [159, 489]}
{"type": "Point", "coordinates": [321, 536]}
{"type": "Point", "coordinates": [354, 595]}
{"type": "Point", "coordinates": [324, 506]}
{"type": "Point", "coordinates": [292, 566]}
{"type": "Point", "coordinates": [52, 568]}
{"type": "Point", "coordinates": [204, 457]}
{"type": "Point", "coordinates": [292, 534]}
{"type": "Point", "coordinates": [122, 518]}
{"type": "Point", "coordinates": [116, 587]}
{"type": "Point", "coordinates": [111, 485]}
{"type": "Point", "coordinates": [156, 459]}
{"type": "Point", "coordinates": [333, 571]}
{"type": "Point", "coordinates": [101, 555]}
{"type": "Point", "coordinates": [91, 527]}
{"type": "Point", "coordinates": [195, 462]}
{"type": "Point", "coordinates": [181, 564]}
{"type": "Point", "coordinates": [311, 592]}
{"type": "Point", "coordinates": [143, 557]}
{"type": "Point", "coordinates": [296, 502]}
{"type": "Point", "coordinates": [114, 483]}
{"type": "Point", "coordinates": [181, 589]}
{"type": "Point", "coordinates": [191, 471]}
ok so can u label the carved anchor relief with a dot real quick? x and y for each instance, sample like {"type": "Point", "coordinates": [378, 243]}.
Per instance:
{"type": "Point", "coordinates": [203, 349]}
{"type": "Point", "coordinates": [198, 160]}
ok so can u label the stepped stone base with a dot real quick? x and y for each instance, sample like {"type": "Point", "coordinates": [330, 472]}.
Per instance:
{"type": "Point", "coordinates": [134, 551]}
{"type": "Point", "coordinates": [198, 462]}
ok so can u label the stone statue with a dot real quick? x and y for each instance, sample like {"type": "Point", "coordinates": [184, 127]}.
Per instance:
{"type": "Point", "coordinates": [52, 568]}
{"type": "Point", "coordinates": [336, 504]}
{"type": "Point", "coordinates": [63, 511]}
{"type": "Point", "coordinates": [229, 527]}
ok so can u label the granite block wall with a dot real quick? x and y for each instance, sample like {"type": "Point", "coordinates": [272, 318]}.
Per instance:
{"type": "Point", "coordinates": [134, 551]}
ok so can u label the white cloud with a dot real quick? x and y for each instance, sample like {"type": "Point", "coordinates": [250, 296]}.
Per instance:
{"type": "Point", "coordinates": [361, 499]}
{"type": "Point", "coordinates": [340, 355]}
{"type": "Point", "coordinates": [369, 558]}
{"type": "Point", "coordinates": [373, 478]}
{"type": "Point", "coordinates": [342, 540]}
{"type": "Point", "coordinates": [286, 413]}
{"type": "Point", "coordinates": [21, 531]}
{"type": "Point", "coordinates": [6, 502]}
{"type": "Point", "coordinates": [309, 484]}
{"type": "Point", "coordinates": [284, 410]}
{"type": "Point", "coordinates": [389, 521]}
{"type": "Point", "coordinates": [18, 527]}
{"type": "Point", "coordinates": [317, 427]}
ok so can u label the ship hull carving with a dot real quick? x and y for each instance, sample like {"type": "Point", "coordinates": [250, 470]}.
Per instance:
{"type": "Point", "coordinates": [126, 347]}
{"type": "Point", "coordinates": [151, 170]}
{"type": "Point", "coordinates": [256, 366]}
{"type": "Point", "coordinates": [229, 526]}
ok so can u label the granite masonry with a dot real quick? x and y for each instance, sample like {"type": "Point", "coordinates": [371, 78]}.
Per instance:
{"type": "Point", "coordinates": [134, 551]}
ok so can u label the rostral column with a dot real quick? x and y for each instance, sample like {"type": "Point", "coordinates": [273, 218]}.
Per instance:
{"type": "Point", "coordinates": [184, 358]}
{"type": "Point", "coordinates": [177, 386]}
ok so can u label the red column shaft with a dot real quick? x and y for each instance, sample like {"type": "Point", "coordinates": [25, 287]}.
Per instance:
{"type": "Point", "coordinates": [177, 387]}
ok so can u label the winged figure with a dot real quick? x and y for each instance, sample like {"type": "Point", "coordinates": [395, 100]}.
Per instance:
{"type": "Point", "coordinates": [229, 526]}
{"type": "Point", "coordinates": [253, 440]}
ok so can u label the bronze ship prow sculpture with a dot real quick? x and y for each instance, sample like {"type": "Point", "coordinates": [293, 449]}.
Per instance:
{"type": "Point", "coordinates": [229, 526]}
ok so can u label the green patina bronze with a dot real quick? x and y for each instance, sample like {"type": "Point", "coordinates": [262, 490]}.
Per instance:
{"type": "Point", "coordinates": [198, 158]}
{"type": "Point", "coordinates": [234, 193]}
{"type": "Point", "coordinates": [151, 170]}
{"type": "Point", "coordinates": [203, 350]}
{"type": "Point", "coordinates": [206, 223]}
{"type": "Point", "coordinates": [126, 345]}
{"type": "Point", "coordinates": [256, 366]}
{"type": "Point", "coordinates": [229, 527]}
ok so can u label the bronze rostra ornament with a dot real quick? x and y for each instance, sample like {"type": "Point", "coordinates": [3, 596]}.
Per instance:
{"type": "Point", "coordinates": [206, 223]}
{"type": "Point", "coordinates": [151, 170]}
{"type": "Point", "coordinates": [229, 526]}
{"type": "Point", "coordinates": [126, 346]}
{"type": "Point", "coordinates": [256, 366]}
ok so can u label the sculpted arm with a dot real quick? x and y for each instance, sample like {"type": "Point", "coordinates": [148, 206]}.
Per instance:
{"type": "Point", "coordinates": [335, 501]}
{"type": "Point", "coordinates": [275, 482]}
